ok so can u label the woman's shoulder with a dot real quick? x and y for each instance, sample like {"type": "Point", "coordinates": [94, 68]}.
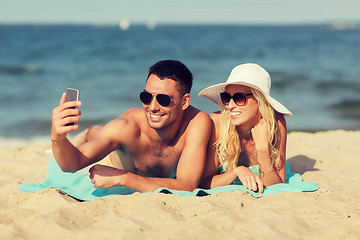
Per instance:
{"type": "Point", "coordinates": [281, 120]}
{"type": "Point", "coordinates": [215, 116]}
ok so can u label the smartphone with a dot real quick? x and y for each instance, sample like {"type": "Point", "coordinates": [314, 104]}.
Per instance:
{"type": "Point", "coordinates": [72, 95]}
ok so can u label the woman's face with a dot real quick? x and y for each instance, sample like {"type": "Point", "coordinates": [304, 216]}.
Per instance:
{"type": "Point", "coordinates": [247, 115]}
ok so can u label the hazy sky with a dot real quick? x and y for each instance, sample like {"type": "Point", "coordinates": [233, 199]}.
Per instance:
{"type": "Point", "coordinates": [182, 11]}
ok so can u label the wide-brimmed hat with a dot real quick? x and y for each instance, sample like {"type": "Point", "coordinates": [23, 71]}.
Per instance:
{"type": "Point", "coordinates": [250, 75]}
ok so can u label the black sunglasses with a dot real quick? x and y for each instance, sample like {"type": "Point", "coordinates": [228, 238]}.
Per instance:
{"type": "Point", "coordinates": [239, 98]}
{"type": "Point", "coordinates": [163, 99]}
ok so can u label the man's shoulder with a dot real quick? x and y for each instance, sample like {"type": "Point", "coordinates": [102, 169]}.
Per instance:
{"type": "Point", "coordinates": [132, 112]}
{"type": "Point", "coordinates": [132, 115]}
{"type": "Point", "coordinates": [198, 128]}
{"type": "Point", "coordinates": [197, 119]}
{"type": "Point", "coordinates": [127, 123]}
{"type": "Point", "coordinates": [196, 115]}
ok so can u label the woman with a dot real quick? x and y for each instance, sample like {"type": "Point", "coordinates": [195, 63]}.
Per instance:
{"type": "Point", "coordinates": [248, 134]}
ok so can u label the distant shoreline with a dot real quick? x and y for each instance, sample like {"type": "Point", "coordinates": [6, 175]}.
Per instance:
{"type": "Point", "coordinates": [18, 141]}
{"type": "Point", "coordinates": [332, 25]}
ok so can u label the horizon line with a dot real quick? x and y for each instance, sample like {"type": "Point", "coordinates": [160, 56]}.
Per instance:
{"type": "Point", "coordinates": [141, 23]}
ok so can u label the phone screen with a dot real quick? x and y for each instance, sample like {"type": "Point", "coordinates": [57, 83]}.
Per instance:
{"type": "Point", "coordinates": [71, 95]}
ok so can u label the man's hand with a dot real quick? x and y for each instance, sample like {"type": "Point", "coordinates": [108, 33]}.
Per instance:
{"type": "Point", "coordinates": [63, 114]}
{"type": "Point", "coordinates": [104, 176]}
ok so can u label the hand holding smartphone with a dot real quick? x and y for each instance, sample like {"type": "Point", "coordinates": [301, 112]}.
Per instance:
{"type": "Point", "coordinates": [72, 95]}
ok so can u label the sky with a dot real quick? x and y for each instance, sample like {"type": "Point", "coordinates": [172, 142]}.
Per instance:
{"type": "Point", "coordinates": [182, 11]}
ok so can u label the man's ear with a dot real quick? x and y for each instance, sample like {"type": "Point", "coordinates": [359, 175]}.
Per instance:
{"type": "Point", "coordinates": [186, 101]}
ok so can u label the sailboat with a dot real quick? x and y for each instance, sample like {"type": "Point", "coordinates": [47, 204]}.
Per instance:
{"type": "Point", "coordinates": [151, 25]}
{"type": "Point", "coordinates": [124, 24]}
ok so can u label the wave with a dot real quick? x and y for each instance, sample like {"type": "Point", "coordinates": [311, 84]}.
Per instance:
{"type": "Point", "coordinates": [284, 79]}
{"type": "Point", "coordinates": [336, 85]}
{"type": "Point", "coordinates": [16, 70]}
{"type": "Point", "coordinates": [347, 104]}
{"type": "Point", "coordinates": [347, 108]}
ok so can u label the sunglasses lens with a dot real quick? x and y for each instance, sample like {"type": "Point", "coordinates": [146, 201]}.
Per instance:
{"type": "Point", "coordinates": [225, 98]}
{"type": "Point", "coordinates": [239, 99]}
{"type": "Point", "coordinates": [146, 97]}
{"type": "Point", "coordinates": [163, 99]}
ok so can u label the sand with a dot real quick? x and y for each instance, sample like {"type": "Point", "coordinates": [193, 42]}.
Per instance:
{"type": "Point", "coordinates": [330, 159]}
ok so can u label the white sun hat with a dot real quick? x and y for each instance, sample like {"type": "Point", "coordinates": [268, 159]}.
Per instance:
{"type": "Point", "coordinates": [250, 75]}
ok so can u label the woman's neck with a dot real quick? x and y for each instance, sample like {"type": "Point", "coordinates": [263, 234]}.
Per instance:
{"type": "Point", "coordinates": [244, 130]}
{"type": "Point", "coordinates": [244, 133]}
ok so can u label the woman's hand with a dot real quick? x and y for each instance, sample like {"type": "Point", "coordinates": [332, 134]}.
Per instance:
{"type": "Point", "coordinates": [260, 135]}
{"type": "Point", "coordinates": [249, 179]}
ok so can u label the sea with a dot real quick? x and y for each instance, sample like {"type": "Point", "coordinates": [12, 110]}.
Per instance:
{"type": "Point", "coordinates": [315, 70]}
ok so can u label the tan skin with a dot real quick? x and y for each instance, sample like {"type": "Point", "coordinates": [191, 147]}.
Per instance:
{"type": "Point", "coordinates": [159, 140]}
{"type": "Point", "coordinates": [254, 144]}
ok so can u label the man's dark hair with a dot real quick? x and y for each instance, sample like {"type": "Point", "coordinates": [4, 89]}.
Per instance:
{"type": "Point", "coordinates": [174, 70]}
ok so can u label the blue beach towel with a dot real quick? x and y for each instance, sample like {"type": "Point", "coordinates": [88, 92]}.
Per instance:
{"type": "Point", "coordinates": [79, 186]}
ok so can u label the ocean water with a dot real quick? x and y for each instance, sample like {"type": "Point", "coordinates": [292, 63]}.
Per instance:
{"type": "Point", "coordinates": [315, 70]}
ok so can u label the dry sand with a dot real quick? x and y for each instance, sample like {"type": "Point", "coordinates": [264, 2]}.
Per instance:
{"type": "Point", "coordinates": [331, 159]}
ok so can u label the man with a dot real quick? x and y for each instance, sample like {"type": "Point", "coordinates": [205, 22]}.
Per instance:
{"type": "Point", "coordinates": [167, 135]}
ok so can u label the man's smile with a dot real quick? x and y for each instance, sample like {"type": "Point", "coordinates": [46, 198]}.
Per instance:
{"type": "Point", "coordinates": [156, 117]}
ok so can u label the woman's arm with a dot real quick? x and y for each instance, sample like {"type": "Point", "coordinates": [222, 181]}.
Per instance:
{"type": "Point", "coordinates": [268, 174]}
{"type": "Point", "coordinates": [212, 179]}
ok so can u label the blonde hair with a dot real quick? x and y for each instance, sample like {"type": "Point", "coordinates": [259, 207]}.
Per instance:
{"type": "Point", "coordinates": [228, 144]}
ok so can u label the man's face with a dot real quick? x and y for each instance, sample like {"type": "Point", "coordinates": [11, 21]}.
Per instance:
{"type": "Point", "coordinates": [158, 116]}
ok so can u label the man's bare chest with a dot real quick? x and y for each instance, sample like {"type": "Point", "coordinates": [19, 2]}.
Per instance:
{"type": "Point", "coordinates": [157, 160]}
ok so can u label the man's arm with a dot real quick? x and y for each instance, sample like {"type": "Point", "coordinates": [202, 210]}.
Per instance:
{"type": "Point", "coordinates": [68, 157]}
{"type": "Point", "coordinates": [211, 178]}
{"type": "Point", "coordinates": [212, 161]}
{"type": "Point", "coordinates": [193, 157]}
{"type": "Point", "coordinates": [189, 170]}
{"type": "Point", "coordinates": [64, 152]}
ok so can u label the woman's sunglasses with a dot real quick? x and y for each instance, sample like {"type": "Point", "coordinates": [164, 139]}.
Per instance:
{"type": "Point", "coordinates": [239, 98]}
{"type": "Point", "coordinates": [163, 99]}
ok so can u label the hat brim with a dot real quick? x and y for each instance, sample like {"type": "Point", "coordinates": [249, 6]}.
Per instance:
{"type": "Point", "coordinates": [213, 94]}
